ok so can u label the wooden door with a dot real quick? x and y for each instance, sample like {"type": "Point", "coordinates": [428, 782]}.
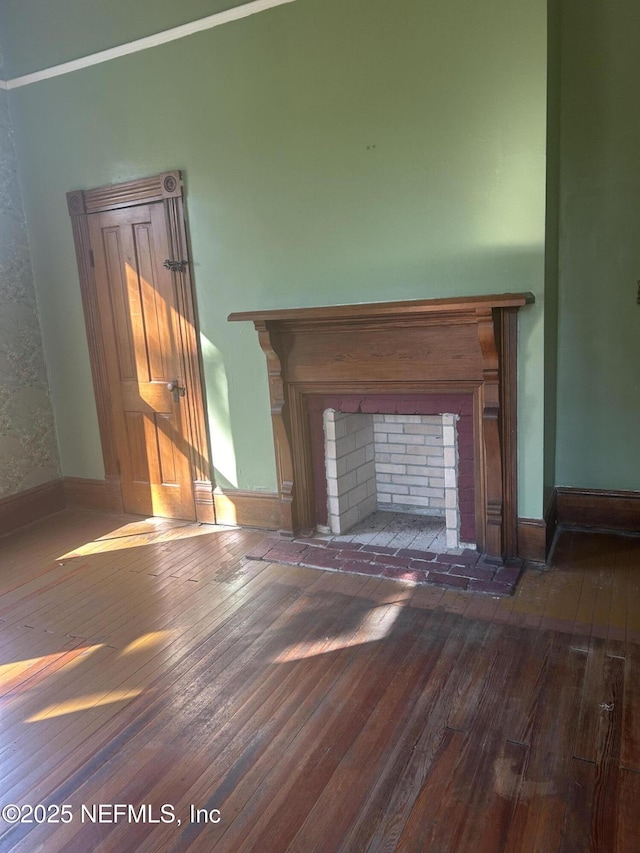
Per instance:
{"type": "Point", "coordinates": [138, 313]}
{"type": "Point", "coordinates": [138, 302]}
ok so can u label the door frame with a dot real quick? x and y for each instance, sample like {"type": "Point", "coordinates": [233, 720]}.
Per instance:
{"type": "Point", "coordinates": [166, 188]}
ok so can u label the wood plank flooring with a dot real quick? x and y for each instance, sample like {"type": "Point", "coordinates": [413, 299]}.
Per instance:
{"type": "Point", "coordinates": [148, 664]}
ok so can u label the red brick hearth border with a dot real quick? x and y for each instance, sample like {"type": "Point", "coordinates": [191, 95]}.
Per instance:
{"type": "Point", "coordinates": [468, 570]}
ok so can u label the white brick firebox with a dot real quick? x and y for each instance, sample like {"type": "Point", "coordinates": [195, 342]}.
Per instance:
{"type": "Point", "coordinates": [401, 463]}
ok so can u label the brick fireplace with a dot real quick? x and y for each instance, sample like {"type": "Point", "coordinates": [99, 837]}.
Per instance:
{"type": "Point", "coordinates": [417, 357]}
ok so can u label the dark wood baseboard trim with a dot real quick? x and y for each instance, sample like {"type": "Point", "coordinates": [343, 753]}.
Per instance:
{"type": "Point", "coordinates": [598, 508]}
{"type": "Point", "coordinates": [106, 496]}
{"type": "Point", "coordinates": [114, 492]}
{"type": "Point", "coordinates": [31, 505]}
{"type": "Point", "coordinates": [245, 509]}
{"type": "Point", "coordinates": [551, 519]}
{"type": "Point", "coordinates": [203, 494]}
{"type": "Point", "coordinates": [248, 509]}
{"type": "Point", "coordinates": [532, 539]}
{"type": "Point", "coordinates": [98, 495]}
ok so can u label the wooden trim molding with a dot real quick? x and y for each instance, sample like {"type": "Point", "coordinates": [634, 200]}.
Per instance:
{"type": "Point", "coordinates": [551, 520]}
{"type": "Point", "coordinates": [508, 360]}
{"type": "Point", "coordinates": [165, 188]}
{"type": "Point", "coordinates": [434, 346]}
{"type": "Point", "coordinates": [532, 539]}
{"type": "Point", "coordinates": [114, 196]}
{"type": "Point", "coordinates": [97, 356]}
{"type": "Point", "coordinates": [409, 308]}
{"type": "Point", "coordinates": [598, 508]}
{"type": "Point", "coordinates": [98, 495]}
{"type": "Point", "coordinates": [31, 505]}
{"type": "Point", "coordinates": [236, 13]}
{"type": "Point", "coordinates": [248, 509]}
{"type": "Point", "coordinates": [535, 535]}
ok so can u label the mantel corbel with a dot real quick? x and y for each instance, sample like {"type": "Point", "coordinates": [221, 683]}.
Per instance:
{"type": "Point", "coordinates": [269, 341]}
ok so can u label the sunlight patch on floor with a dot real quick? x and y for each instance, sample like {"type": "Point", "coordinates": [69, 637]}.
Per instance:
{"type": "Point", "coordinates": [130, 536]}
{"type": "Point", "coordinates": [375, 626]}
{"type": "Point", "coordinates": [9, 671]}
{"type": "Point", "coordinates": [146, 641]}
{"type": "Point", "coordinates": [83, 703]}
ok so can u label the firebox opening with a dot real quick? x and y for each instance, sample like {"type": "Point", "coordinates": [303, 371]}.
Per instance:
{"type": "Point", "coordinates": [392, 463]}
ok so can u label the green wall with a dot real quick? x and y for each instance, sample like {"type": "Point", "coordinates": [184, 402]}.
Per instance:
{"type": "Point", "coordinates": [334, 151]}
{"type": "Point", "coordinates": [599, 320]}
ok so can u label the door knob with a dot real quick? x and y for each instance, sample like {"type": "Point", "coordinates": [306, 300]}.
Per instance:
{"type": "Point", "coordinates": [178, 389]}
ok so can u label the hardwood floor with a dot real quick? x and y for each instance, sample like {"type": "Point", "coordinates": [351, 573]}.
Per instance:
{"type": "Point", "coordinates": [150, 664]}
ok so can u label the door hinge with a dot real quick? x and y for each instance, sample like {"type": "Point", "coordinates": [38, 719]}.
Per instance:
{"type": "Point", "coordinates": [92, 260]}
{"type": "Point", "coordinates": [175, 266]}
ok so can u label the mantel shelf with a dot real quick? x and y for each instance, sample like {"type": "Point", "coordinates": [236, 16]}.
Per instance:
{"type": "Point", "coordinates": [387, 310]}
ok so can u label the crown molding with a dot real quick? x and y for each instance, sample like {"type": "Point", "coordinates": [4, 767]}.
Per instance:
{"type": "Point", "coordinates": [246, 10]}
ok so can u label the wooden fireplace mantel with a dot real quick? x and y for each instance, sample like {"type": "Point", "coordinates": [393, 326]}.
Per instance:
{"type": "Point", "coordinates": [430, 346]}
{"type": "Point", "coordinates": [386, 310]}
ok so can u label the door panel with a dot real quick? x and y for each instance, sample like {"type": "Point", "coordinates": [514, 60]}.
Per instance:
{"type": "Point", "coordinates": [139, 322]}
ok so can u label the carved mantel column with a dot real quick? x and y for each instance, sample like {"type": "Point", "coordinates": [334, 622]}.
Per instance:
{"type": "Point", "coordinates": [492, 442]}
{"type": "Point", "coordinates": [281, 426]}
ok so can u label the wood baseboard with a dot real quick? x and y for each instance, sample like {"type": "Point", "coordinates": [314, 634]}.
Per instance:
{"type": "Point", "coordinates": [262, 510]}
{"type": "Point", "coordinates": [106, 496]}
{"type": "Point", "coordinates": [551, 519]}
{"type": "Point", "coordinates": [248, 509]}
{"type": "Point", "coordinates": [98, 495]}
{"type": "Point", "coordinates": [31, 505]}
{"type": "Point", "coordinates": [532, 539]}
{"type": "Point", "coordinates": [203, 494]}
{"type": "Point", "coordinates": [600, 509]}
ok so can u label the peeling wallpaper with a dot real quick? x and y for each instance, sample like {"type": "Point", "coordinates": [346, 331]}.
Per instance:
{"type": "Point", "coordinates": [28, 447]}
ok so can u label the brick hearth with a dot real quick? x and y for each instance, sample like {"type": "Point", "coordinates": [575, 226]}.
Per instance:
{"type": "Point", "coordinates": [467, 570]}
